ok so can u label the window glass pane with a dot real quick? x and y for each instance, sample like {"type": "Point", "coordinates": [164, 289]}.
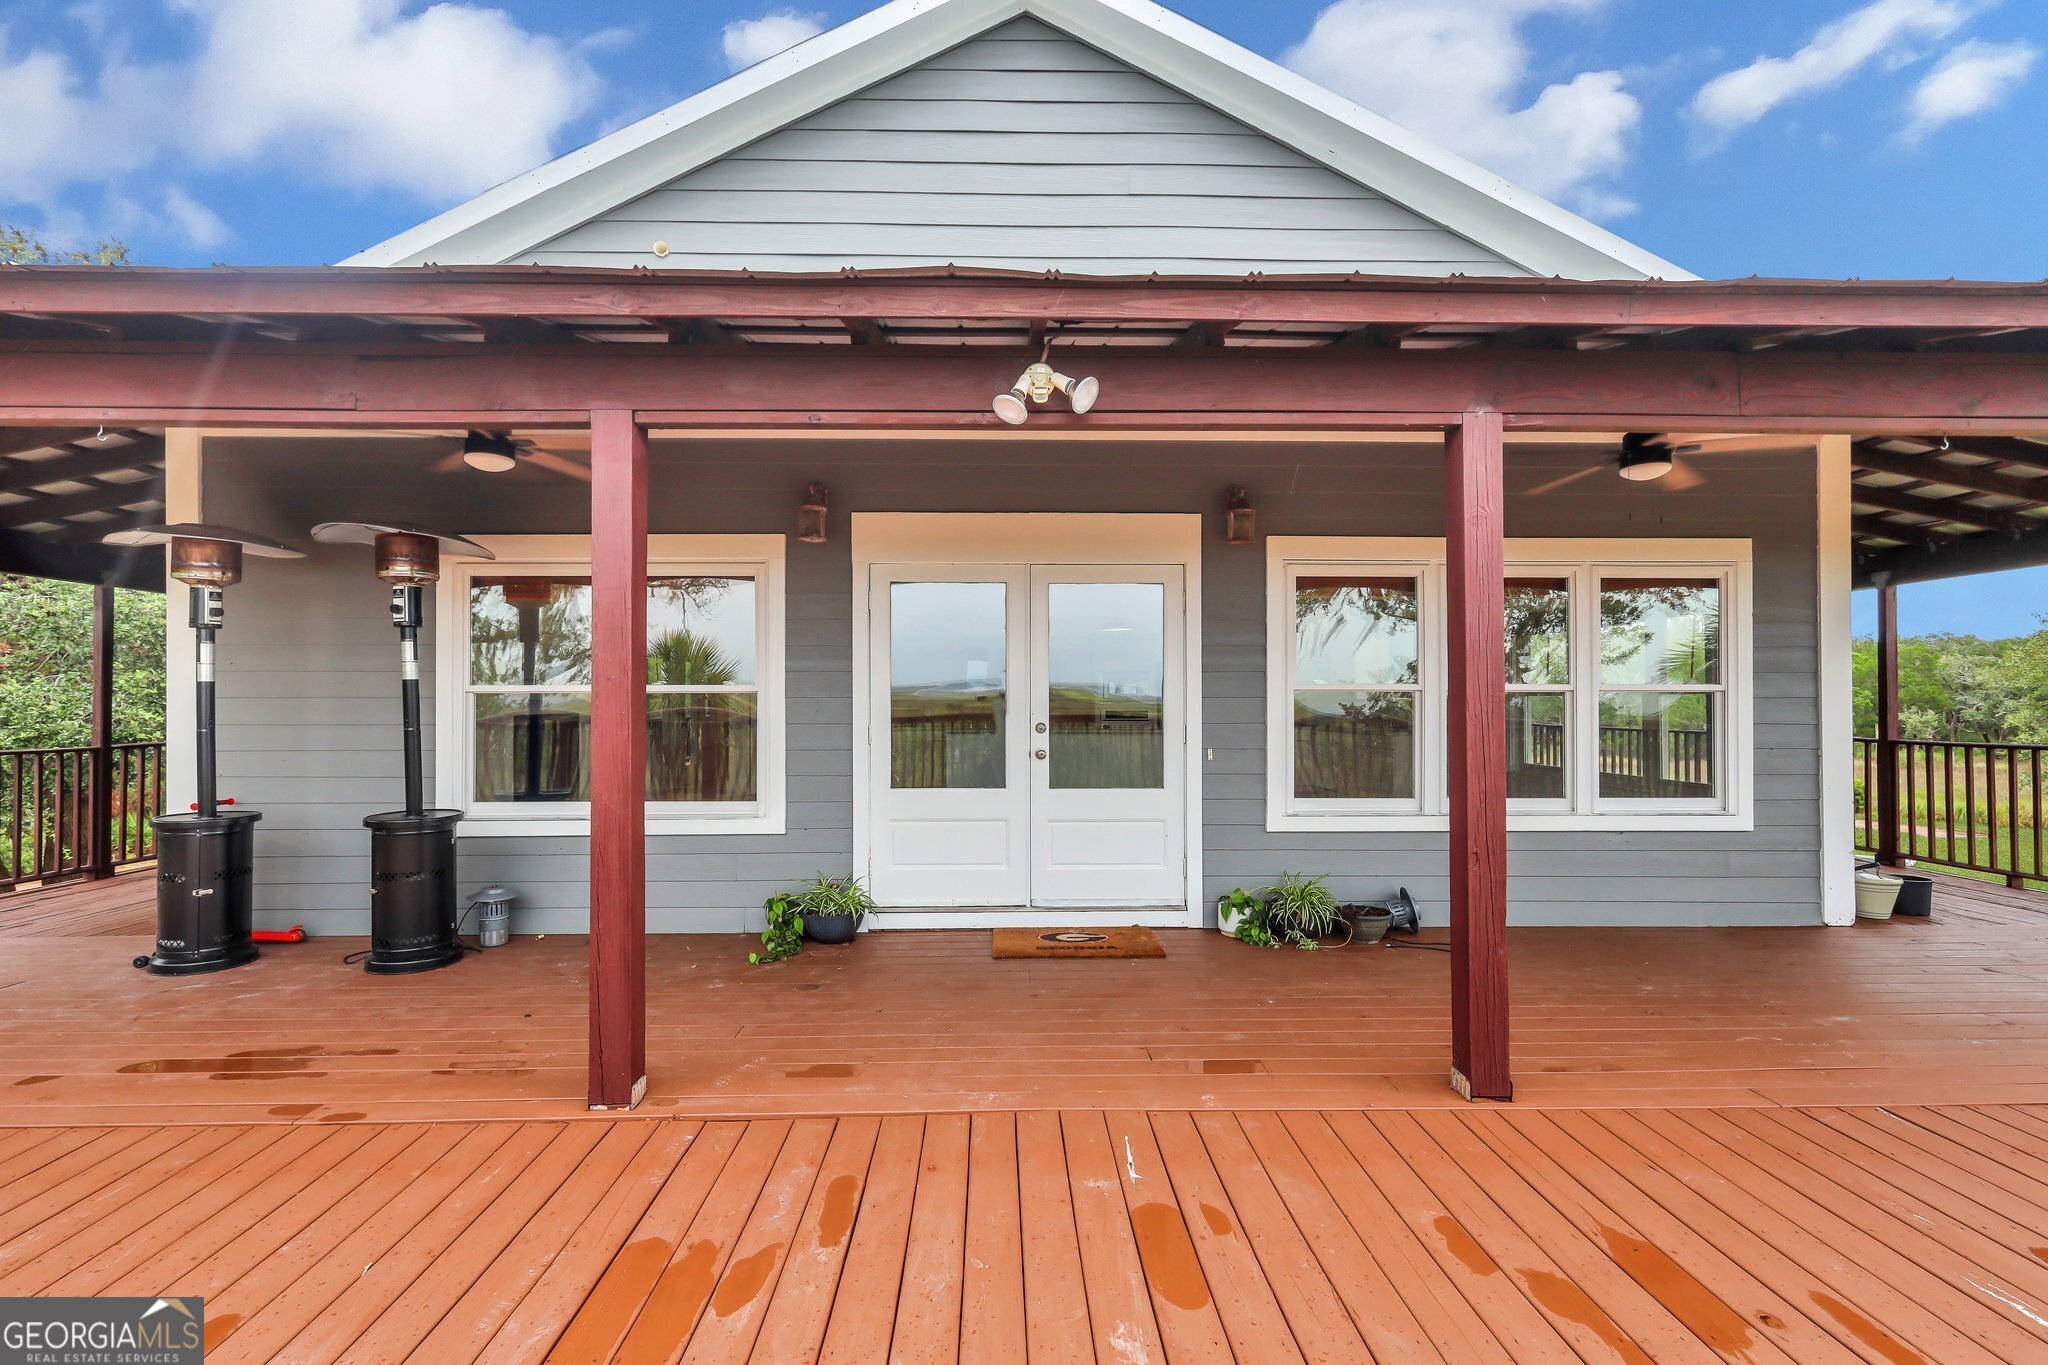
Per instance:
{"type": "Point", "coordinates": [1539, 613]}
{"type": "Point", "coordinates": [1660, 630]}
{"type": "Point", "coordinates": [1355, 632]}
{"type": "Point", "coordinates": [701, 746]}
{"type": "Point", "coordinates": [1536, 746]}
{"type": "Point", "coordinates": [531, 631]}
{"type": "Point", "coordinates": [700, 632]}
{"type": "Point", "coordinates": [1354, 746]}
{"type": "Point", "coordinates": [948, 684]}
{"type": "Point", "coordinates": [533, 746]}
{"type": "Point", "coordinates": [1659, 745]}
{"type": "Point", "coordinates": [1106, 689]}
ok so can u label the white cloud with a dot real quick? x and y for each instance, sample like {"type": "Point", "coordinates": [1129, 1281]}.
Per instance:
{"type": "Point", "coordinates": [1976, 76]}
{"type": "Point", "coordinates": [1886, 32]}
{"type": "Point", "coordinates": [748, 41]}
{"type": "Point", "coordinates": [440, 102]}
{"type": "Point", "coordinates": [1452, 70]}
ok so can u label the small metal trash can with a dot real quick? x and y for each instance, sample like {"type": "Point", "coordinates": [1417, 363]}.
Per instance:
{"type": "Point", "coordinates": [493, 906]}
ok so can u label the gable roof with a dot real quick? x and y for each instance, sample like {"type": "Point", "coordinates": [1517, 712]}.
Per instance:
{"type": "Point", "coordinates": [515, 217]}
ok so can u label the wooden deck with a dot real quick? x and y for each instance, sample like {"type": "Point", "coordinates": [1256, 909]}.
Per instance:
{"type": "Point", "coordinates": [1949, 1012]}
{"type": "Point", "coordinates": [1745, 1145]}
{"type": "Point", "coordinates": [1788, 1235]}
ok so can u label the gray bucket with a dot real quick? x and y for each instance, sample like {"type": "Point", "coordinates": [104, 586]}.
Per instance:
{"type": "Point", "coordinates": [493, 906]}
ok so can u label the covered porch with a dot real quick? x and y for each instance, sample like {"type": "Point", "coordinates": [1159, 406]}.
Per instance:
{"type": "Point", "coordinates": [625, 359]}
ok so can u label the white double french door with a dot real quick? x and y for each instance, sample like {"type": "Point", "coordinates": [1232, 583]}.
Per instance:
{"type": "Point", "coordinates": [1027, 736]}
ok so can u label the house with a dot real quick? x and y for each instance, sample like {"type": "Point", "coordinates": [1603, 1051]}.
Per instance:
{"type": "Point", "coordinates": [1351, 568]}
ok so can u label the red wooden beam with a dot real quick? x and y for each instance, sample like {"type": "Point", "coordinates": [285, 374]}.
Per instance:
{"type": "Point", "coordinates": [813, 387]}
{"type": "Point", "coordinates": [1477, 699]}
{"type": "Point", "coordinates": [618, 760]}
{"type": "Point", "coordinates": [1887, 794]}
{"type": "Point", "coordinates": [555, 292]}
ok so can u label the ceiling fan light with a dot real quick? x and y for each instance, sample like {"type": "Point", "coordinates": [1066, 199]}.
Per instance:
{"type": "Point", "coordinates": [1642, 459]}
{"type": "Point", "coordinates": [1012, 407]}
{"type": "Point", "coordinates": [491, 454]}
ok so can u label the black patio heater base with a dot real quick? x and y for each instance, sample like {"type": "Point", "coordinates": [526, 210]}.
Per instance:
{"type": "Point", "coordinates": [204, 876]}
{"type": "Point", "coordinates": [412, 892]}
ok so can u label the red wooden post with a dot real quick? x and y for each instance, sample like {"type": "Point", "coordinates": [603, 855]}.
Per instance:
{"type": "Point", "coordinates": [1477, 697]}
{"type": "Point", "coordinates": [1887, 794]}
{"type": "Point", "coordinates": [99, 779]}
{"type": "Point", "coordinates": [618, 760]}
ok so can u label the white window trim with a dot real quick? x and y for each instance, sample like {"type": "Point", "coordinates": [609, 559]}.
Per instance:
{"type": "Point", "coordinates": [1583, 560]}
{"type": "Point", "coordinates": [761, 556]}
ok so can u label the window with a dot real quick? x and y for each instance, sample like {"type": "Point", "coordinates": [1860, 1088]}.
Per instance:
{"type": "Point", "coordinates": [514, 685]}
{"type": "Point", "coordinates": [1625, 675]}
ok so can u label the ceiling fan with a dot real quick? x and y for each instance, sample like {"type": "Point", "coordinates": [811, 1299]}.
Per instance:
{"type": "Point", "coordinates": [1644, 457]}
{"type": "Point", "coordinates": [496, 453]}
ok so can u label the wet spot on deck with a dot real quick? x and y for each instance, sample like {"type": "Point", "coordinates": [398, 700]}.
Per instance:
{"type": "Point", "coordinates": [821, 1070]}
{"type": "Point", "coordinates": [1566, 1300]}
{"type": "Point", "coordinates": [1230, 1066]}
{"type": "Point", "coordinates": [1866, 1331]}
{"type": "Point", "coordinates": [2040, 1253]}
{"type": "Point", "coordinates": [34, 1080]}
{"type": "Point", "coordinates": [218, 1328]}
{"type": "Point", "coordinates": [238, 1065]}
{"type": "Point", "coordinates": [1218, 1221]}
{"type": "Point", "coordinates": [744, 1280]}
{"type": "Point", "coordinates": [264, 1075]}
{"type": "Point", "coordinates": [841, 1199]}
{"type": "Point", "coordinates": [345, 1116]}
{"type": "Point", "coordinates": [1692, 1303]}
{"type": "Point", "coordinates": [1462, 1246]}
{"type": "Point", "coordinates": [483, 1071]}
{"type": "Point", "coordinates": [292, 1111]}
{"type": "Point", "coordinates": [678, 1297]}
{"type": "Point", "coordinates": [1168, 1254]}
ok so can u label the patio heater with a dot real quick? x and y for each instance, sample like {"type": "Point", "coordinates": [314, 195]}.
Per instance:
{"type": "Point", "coordinates": [412, 851]}
{"type": "Point", "coordinates": [205, 860]}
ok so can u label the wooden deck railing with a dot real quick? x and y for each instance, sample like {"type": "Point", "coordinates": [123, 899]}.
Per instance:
{"type": "Point", "coordinates": [1968, 805]}
{"type": "Point", "coordinates": [77, 811]}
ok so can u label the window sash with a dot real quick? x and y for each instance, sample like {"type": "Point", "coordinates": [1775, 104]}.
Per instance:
{"type": "Point", "coordinates": [1425, 740]}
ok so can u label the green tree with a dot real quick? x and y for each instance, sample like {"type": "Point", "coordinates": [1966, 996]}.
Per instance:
{"type": "Point", "coordinates": [46, 664]}
{"type": "Point", "coordinates": [19, 246]}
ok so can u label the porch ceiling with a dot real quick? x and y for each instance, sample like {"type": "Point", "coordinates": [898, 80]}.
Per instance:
{"type": "Point", "coordinates": [62, 489]}
{"type": "Point", "coordinates": [1928, 505]}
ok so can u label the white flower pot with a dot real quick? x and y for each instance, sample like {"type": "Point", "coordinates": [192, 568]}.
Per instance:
{"type": "Point", "coordinates": [1876, 894]}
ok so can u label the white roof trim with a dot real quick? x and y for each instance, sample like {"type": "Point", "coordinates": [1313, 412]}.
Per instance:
{"type": "Point", "coordinates": [512, 218]}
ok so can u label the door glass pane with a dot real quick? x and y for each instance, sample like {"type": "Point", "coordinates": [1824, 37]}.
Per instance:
{"type": "Point", "coordinates": [700, 746]}
{"type": "Point", "coordinates": [1355, 632]}
{"type": "Point", "coordinates": [1106, 685]}
{"type": "Point", "coordinates": [700, 632]}
{"type": "Point", "coordinates": [1659, 746]}
{"type": "Point", "coordinates": [1539, 614]}
{"type": "Point", "coordinates": [1655, 631]}
{"type": "Point", "coordinates": [948, 684]}
{"type": "Point", "coordinates": [533, 746]}
{"type": "Point", "coordinates": [530, 631]}
{"type": "Point", "coordinates": [1536, 746]}
{"type": "Point", "coordinates": [1357, 746]}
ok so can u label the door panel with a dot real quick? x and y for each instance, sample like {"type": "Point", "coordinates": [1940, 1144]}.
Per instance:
{"type": "Point", "coordinates": [950, 800]}
{"type": "Point", "coordinates": [1108, 747]}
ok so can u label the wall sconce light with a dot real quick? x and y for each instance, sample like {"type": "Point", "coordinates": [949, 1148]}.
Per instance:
{"type": "Point", "coordinates": [810, 516]}
{"type": "Point", "coordinates": [1036, 385]}
{"type": "Point", "coordinates": [1239, 518]}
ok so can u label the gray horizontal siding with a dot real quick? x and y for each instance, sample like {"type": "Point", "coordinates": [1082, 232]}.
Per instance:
{"type": "Point", "coordinates": [1021, 149]}
{"type": "Point", "coordinates": [308, 715]}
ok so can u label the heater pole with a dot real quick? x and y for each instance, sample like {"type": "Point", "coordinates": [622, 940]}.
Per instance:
{"type": "Point", "coordinates": [406, 607]}
{"type": "Point", "coordinates": [207, 606]}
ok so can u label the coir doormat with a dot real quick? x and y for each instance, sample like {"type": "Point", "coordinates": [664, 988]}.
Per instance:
{"type": "Point", "coordinates": [1019, 943]}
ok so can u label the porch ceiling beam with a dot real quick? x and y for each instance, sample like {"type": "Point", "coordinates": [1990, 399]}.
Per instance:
{"type": "Point", "coordinates": [1760, 305]}
{"type": "Point", "coordinates": [39, 438]}
{"type": "Point", "coordinates": [1949, 558]}
{"type": "Point", "coordinates": [1977, 478]}
{"type": "Point", "coordinates": [82, 462]}
{"type": "Point", "coordinates": [881, 386]}
{"type": "Point", "coordinates": [1945, 509]}
{"type": "Point", "coordinates": [2030, 453]}
{"type": "Point", "coordinates": [95, 497]}
{"type": "Point", "coordinates": [1908, 535]}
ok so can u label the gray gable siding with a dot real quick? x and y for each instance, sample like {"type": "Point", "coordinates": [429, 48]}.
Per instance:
{"type": "Point", "coordinates": [309, 733]}
{"type": "Point", "coordinates": [1021, 149]}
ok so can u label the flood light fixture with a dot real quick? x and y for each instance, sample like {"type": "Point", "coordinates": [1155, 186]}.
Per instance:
{"type": "Point", "coordinates": [1037, 385]}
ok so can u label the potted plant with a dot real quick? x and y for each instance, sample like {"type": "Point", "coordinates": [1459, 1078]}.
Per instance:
{"type": "Point", "coordinates": [1369, 923]}
{"type": "Point", "coordinates": [1233, 906]}
{"type": "Point", "coordinates": [784, 936]}
{"type": "Point", "coordinates": [833, 908]}
{"type": "Point", "coordinates": [1302, 906]}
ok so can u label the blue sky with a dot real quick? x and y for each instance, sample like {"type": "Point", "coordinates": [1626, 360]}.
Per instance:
{"type": "Point", "coordinates": [1833, 138]}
